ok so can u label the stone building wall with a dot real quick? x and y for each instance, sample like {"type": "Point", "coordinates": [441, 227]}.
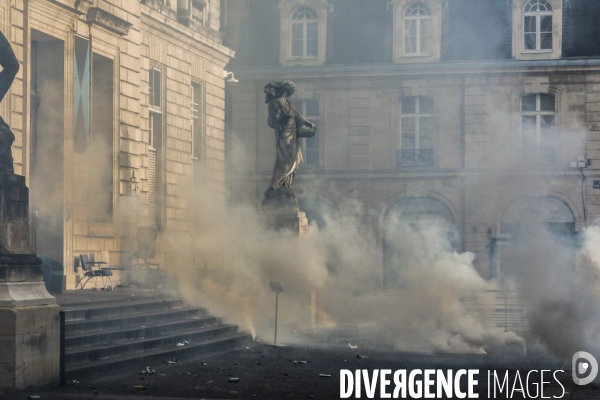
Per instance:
{"type": "Point", "coordinates": [132, 35]}
{"type": "Point", "coordinates": [478, 170]}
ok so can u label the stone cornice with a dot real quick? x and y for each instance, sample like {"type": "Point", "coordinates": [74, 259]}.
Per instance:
{"type": "Point", "coordinates": [77, 6]}
{"type": "Point", "coordinates": [109, 21]}
{"type": "Point", "coordinates": [173, 30]}
{"type": "Point", "coordinates": [434, 68]}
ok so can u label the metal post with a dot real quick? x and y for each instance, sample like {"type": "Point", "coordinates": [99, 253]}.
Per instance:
{"type": "Point", "coordinates": [276, 306]}
{"type": "Point", "coordinates": [61, 314]}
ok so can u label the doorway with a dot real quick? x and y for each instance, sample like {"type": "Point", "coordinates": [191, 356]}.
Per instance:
{"type": "Point", "coordinates": [47, 146]}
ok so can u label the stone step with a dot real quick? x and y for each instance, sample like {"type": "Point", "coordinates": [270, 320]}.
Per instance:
{"type": "Point", "coordinates": [73, 327]}
{"type": "Point", "coordinates": [137, 331]}
{"type": "Point", "coordinates": [162, 342]}
{"type": "Point", "coordinates": [103, 310]}
{"type": "Point", "coordinates": [137, 361]}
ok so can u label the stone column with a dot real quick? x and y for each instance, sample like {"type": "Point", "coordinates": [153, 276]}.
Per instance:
{"type": "Point", "coordinates": [29, 321]}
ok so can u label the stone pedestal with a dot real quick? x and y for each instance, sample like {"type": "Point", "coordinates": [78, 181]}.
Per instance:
{"type": "Point", "coordinates": [287, 219]}
{"type": "Point", "coordinates": [29, 320]}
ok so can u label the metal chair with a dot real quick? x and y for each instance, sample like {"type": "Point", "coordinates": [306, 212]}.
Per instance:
{"type": "Point", "coordinates": [146, 241]}
{"type": "Point", "coordinates": [90, 272]}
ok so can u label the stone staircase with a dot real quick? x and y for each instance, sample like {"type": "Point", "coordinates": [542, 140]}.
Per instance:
{"type": "Point", "coordinates": [107, 336]}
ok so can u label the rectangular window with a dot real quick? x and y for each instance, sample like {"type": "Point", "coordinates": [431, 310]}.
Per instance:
{"type": "Point", "coordinates": [417, 127]}
{"type": "Point", "coordinates": [297, 40]}
{"type": "Point", "coordinates": [310, 146]}
{"type": "Point", "coordinates": [102, 140]}
{"type": "Point", "coordinates": [196, 121]}
{"type": "Point", "coordinates": [156, 184]}
{"type": "Point", "coordinates": [155, 82]}
{"type": "Point", "coordinates": [538, 128]}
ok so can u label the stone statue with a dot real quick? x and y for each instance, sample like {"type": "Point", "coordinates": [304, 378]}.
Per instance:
{"type": "Point", "coordinates": [10, 67]}
{"type": "Point", "coordinates": [289, 128]}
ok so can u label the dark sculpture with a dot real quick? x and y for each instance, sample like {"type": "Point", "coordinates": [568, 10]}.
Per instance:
{"type": "Point", "coordinates": [289, 127]}
{"type": "Point", "coordinates": [10, 66]}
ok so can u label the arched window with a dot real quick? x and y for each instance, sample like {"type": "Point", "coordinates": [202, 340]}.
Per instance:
{"type": "Point", "coordinates": [538, 127]}
{"type": "Point", "coordinates": [537, 25]}
{"type": "Point", "coordinates": [416, 131]}
{"type": "Point", "coordinates": [305, 33]}
{"type": "Point", "coordinates": [418, 29]}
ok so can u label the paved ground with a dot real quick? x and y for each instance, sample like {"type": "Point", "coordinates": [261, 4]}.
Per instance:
{"type": "Point", "coordinates": [267, 372]}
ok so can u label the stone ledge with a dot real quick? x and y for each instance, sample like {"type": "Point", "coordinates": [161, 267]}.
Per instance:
{"type": "Point", "coordinates": [109, 21]}
{"type": "Point", "coordinates": [78, 6]}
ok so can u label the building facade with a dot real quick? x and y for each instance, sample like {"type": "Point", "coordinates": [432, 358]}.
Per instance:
{"type": "Point", "coordinates": [482, 113]}
{"type": "Point", "coordinates": [118, 113]}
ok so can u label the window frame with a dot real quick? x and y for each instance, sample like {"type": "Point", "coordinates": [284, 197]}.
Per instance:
{"type": "Point", "coordinates": [304, 23]}
{"type": "Point", "coordinates": [538, 113]}
{"type": "Point", "coordinates": [417, 116]}
{"type": "Point", "coordinates": [518, 37]}
{"type": "Point", "coordinates": [538, 33]}
{"type": "Point", "coordinates": [153, 108]}
{"type": "Point", "coordinates": [301, 108]}
{"type": "Point", "coordinates": [287, 8]}
{"type": "Point", "coordinates": [419, 32]}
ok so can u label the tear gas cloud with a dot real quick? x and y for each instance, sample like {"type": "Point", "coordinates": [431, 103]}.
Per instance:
{"type": "Point", "coordinates": [335, 269]}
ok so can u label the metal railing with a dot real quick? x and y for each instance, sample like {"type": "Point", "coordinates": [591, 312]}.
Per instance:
{"type": "Point", "coordinates": [508, 308]}
{"type": "Point", "coordinates": [414, 157]}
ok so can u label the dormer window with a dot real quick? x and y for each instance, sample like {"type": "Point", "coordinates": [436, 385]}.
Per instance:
{"type": "Point", "coordinates": [305, 33]}
{"type": "Point", "coordinates": [418, 29]}
{"type": "Point", "coordinates": [537, 33]}
{"type": "Point", "coordinates": [537, 26]}
{"type": "Point", "coordinates": [303, 27]}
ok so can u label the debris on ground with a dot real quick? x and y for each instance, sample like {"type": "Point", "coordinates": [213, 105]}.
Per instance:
{"type": "Point", "coordinates": [300, 362]}
{"type": "Point", "coordinates": [73, 383]}
{"type": "Point", "coordinates": [171, 361]}
{"type": "Point", "coordinates": [359, 356]}
{"type": "Point", "coordinates": [234, 380]}
{"type": "Point", "coordinates": [351, 346]}
{"type": "Point", "coordinates": [182, 343]}
{"type": "Point", "coordinates": [147, 371]}
{"type": "Point", "coordinates": [324, 375]}
{"type": "Point", "coordinates": [141, 387]}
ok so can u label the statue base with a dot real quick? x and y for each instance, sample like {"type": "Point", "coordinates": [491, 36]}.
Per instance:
{"type": "Point", "coordinates": [286, 219]}
{"type": "Point", "coordinates": [30, 328]}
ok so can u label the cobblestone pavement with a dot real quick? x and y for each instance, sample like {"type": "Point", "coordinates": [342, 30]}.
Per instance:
{"type": "Point", "coordinates": [267, 372]}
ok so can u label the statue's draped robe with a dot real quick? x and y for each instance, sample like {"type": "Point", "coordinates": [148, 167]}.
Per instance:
{"type": "Point", "coordinates": [285, 120]}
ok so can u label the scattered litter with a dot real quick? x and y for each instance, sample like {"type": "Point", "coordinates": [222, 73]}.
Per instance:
{"type": "Point", "coordinates": [180, 345]}
{"type": "Point", "coordinates": [171, 361]}
{"type": "Point", "coordinates": [247, 348]}
{"type": "Point", "coordinates": [300, 362]}
{"type": "Point", "coordinates": [141, 387]}
{"type": "Point", "coordinates": [203, 362]}
{"type": "Point", "coordinates": [359, 356]}
{"type": "Point", "coordinates": [324, 375]}
{"type": "Point", "coordinates": [234, 379]}
{"type": "Point", "coordinates": [183, 343]}
{"type": "Point", "coordinates": [73, 383]}
{"type": "Point", "coordinates": [230, 373]}
{"type": "Point", "coordinates": [147, 371]}
{"type": "Point", "coordinates": [351, 346]}
{"type": "Point", "coordinates": [189, 373]}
